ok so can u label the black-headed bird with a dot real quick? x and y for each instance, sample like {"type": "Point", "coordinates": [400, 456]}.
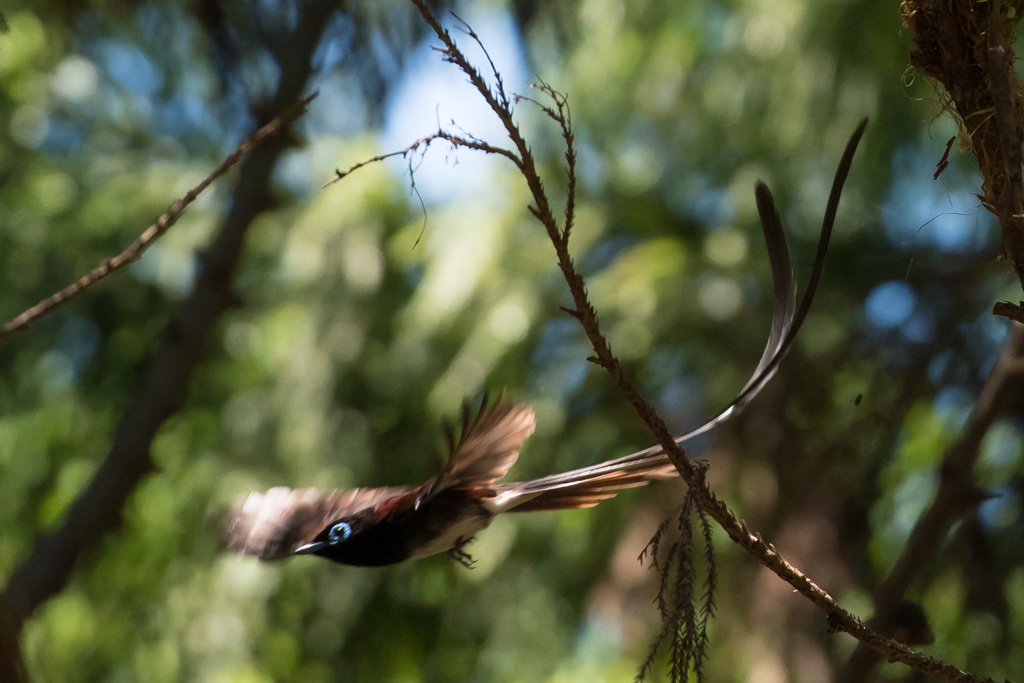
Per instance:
{"type": "Point", "coordinates": [381, 526]}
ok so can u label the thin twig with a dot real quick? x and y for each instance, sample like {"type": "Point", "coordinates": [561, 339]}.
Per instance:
{"type": "Point", "coordinates": [424, 142]}
{"type": "Point", "coordinates": [156, 230]}
{"type": "Point", "coordinates": [499, 83]}
{"type": "Point", "coordinates": [563, 117]}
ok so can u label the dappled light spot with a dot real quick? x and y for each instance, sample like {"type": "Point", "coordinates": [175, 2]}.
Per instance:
{"type": "Point", "coordinates": [236, 338]}
{"type": "Point", "coordinates": [244, 413]}
{"type": "Point", "coordinates": [364, 267]}
{"type": "Point", "coordinates": [720, 297]}
{"type": "Point", "coordinates": [130, 67]}
{"type": "Point", "coordinates": [910, 497]}
{"type": "Point", "coordinates": [766, 667]}
{"type": "Point", "coordinates": [73, 476]}
{"type": "Point", "coordinates": [639, 167]}
{"type": "Point", "coordinates": [73, 621]}
{"type": "Point", "coordinates": [29, 126]}
{"type": "Point", "coordinates": [1002, 449]}
{"type": "Point", "coordinates": [56, 370]}
{"type": "Point", "coordinates": [890, 304]}
{"type": "Point", "coordinates": [724, 93]}
{"type": "Point", "coordinates": [726, 247]}
{"type": "Point", "coordinates": [663, 81]}
{"type": "Point", "coordinates": [166, 267]}
{"type": "Point", "coordinates": [303, 259]}
{"type": "Point", "coordinates": [461, 253]}
{"type": "Point", "coordinates": [75, 79]}
{"type": "Point", "coordinates": [598, 643]}
{"type": "Point", "coordinates": [822, 332]}
{"type": "Point", "coordinates": [765, 35]}
{"type": "Point", "coordinates": [1002, 511]}
{"type": "Point", "coordinates": [639, 276]}
{"type": "Point", "coordinates": [631, 338]}
{"type": "Point", "coordinates": [637, 299]}
{"type": "Point", "coordinates": [464, 377]}
{"type": "Point", "coordinates": [281, 334]}
{"type": "Point", "coordinates": [509, 322]}
{"type": "Point", "coordinates": [345, 341]}
{"type": "Point", "coordinates": [54, 192]}
{"type": "Point", "coordinates": [953, 405]}
{"type": "Point", "coordinates": [216, 631]}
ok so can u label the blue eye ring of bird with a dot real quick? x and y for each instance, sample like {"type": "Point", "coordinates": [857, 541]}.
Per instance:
{"type": "Point", "coordinates": [339, 533]}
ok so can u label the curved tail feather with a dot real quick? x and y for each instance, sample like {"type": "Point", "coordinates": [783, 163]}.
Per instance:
{"type": "Point", "coordinates": [786, 318]}
{"type": "Point", "coordinates": [588, 486]}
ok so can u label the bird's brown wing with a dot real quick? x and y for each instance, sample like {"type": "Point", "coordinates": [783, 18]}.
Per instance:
{"type": "Point", "coordinates": [487, 447]}
{"type": "Point", "coordinates": [272, 525]}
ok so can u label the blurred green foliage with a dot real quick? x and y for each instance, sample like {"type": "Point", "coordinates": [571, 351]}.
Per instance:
{"type": "Point", "coordinates": [364, 323]}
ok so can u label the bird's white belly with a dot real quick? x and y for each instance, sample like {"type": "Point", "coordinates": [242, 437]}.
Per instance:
{"type": "Point", "coordinates": [453, 535]}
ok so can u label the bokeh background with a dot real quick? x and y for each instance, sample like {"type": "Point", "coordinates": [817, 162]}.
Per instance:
{"type": "Point", "coordinates": [366, 318]}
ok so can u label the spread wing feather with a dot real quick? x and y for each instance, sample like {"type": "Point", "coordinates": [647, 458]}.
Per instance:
{"type": "Point", "coordinates": [488, 446]}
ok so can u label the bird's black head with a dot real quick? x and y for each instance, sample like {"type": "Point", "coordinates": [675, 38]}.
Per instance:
{"type": "Point", "coordinates": [328, 542]}
{"type": "Point", "coordinates": [360, 541]}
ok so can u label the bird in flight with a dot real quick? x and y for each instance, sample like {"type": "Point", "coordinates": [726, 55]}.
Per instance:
{"type": "Point", "coordinates": [381, 526]}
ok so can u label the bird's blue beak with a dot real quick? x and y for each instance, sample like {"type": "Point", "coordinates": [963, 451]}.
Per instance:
{"type": "Point", "coordinates": [309, 548]}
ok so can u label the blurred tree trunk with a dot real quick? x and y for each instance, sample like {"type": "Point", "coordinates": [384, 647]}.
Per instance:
{"type": "Point", "coordinates": [98, 509]}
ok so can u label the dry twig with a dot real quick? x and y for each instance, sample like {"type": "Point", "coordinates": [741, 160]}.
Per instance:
{"type": "Point", "coordinates": [135, 250]}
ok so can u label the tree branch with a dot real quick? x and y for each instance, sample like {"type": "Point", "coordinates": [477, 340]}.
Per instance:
{"type": "Point", "coordinates": [957, 495]}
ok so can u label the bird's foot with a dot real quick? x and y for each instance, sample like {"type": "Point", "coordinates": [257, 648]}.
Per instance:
{"type": "Point", "coordinates": [461, 556]}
